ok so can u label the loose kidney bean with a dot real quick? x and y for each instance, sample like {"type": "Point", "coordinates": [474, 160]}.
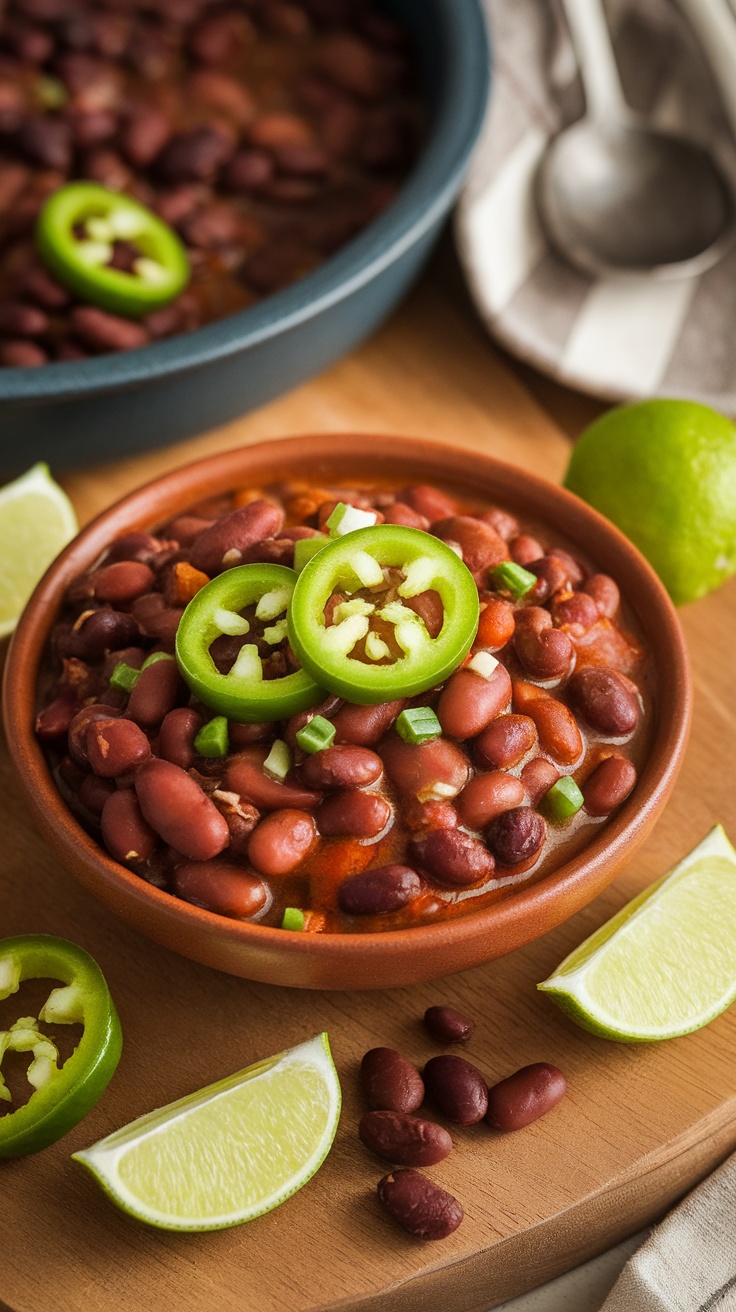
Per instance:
{"type": "Point", "coordinates": [457, 1089]}
{"type": "Point", "coordinates": [106, 332]}
{"type": "Point", "coordinates": [122, 582]}
{"type": "Point", "coordinates": [447, 1025]}
{"type": "Point", "coordinates": [516, 835]}
{"type": "Point", "coordinates": [505, 525]}
{"type": "Point", "coordinates": [157, 692]}
{"type": "Point", "coordinates": [93, 792]}
{"type": "Point", "coordinates": [481, 545]}
{"type": "Point", "coordinates": [390, 1082]}
{"type": "Point", "coordinates": [469, 701]}
{"type": "Point", "coordinates": [609, 785]}
{"type": "Point", "coordinates": [156, 619]}
{"type": "Point", "coordinates": [505, 742]}
{"type": "Point", "coordinates": [489, 795]}
{"type": "Point", "coordinates": [378, 891]}
{"type": "Point", "coordinates": [364, 726]}
{"type": "Point", "coordinates": [416, 771]}
{"type": "Point", "coordinates": [179, 811]}
{"type": "Point", "coordinates": [244, 775]}
{"type": "Point", "coordinates": [428, 815]}
{"type": "Point", "coordinates": [428, 501]}
{"type": "Point", "coordinates": [557, 729]}
{"type": "Point", "coordinates": [231, 535]}
{"type": "Point", "coordinates": [605, 594]}
{"type": "Point", "coordinates": [179, 728]}
{"type": "Point", "coordinates": [606, 699]}
{"type": "Point", "coordinates": [525, 549]}
{"type": "Point", "coordinates": [361, 815]}
{"type": "Point", "coordinates": [453, 857]}
{"type": "Point", "coordinates": [77, 738]}
{"type": "Point", "coordinates": [538, 776]}
{"type": "Point", "coordinates": [406, 1140]}
{"type": "Point", "coordinates": [282, 841]}
{"type": "Point", "coordinates": [419, 1205]}
{"type": "Point", "coordinates": [525, 1096]}
{"type": "Point", "coordinates": [103, 630]}
{"type": "Point", "coordinates": [496, 624]}
{"type": "Point", "coordinates": [341, 767]}
{"type": "Point", "coordinates": [55, 719]}
{"type": "Point", "coordinates": [400, 513]}
{"type": "Point", "coordinates": [125, 833]}
{"type": "Point", "coordinates": [577, 612]}
{"type": "Point", "coordinates": [221, 887]}
{"type": "Point", "coordinates": [114, 747]}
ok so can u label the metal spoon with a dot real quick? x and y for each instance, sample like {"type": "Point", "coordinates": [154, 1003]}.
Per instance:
{"type": "Point", "coordinates": [615, 195]}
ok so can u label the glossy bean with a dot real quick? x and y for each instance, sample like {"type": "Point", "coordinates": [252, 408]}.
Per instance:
{"type": "Point", "coordinates": [428, 501]}
{"type": "Point", "coordinates": [433, 771]}
{"type": "Point", "coordinates": [417, 816]}
{"type": "Point", "coordinates": [93, 792]}
{"type": "Point", "coordinates": [354, 814]}
{"type": "Point", "coordinates": [481, 545]}
{"type": "Point", "coordinates": [364, 726]}
{"type": "Point", "coordinates": [447, 1025]}
{"type": "Point", "coordinates": [133, 546]}
{"type": "Point", "coordinates": [390, 1082]}
{"type": "Point", "coordinates": [115, 747]}
{"type": "Point", "coordinates": [186, 528]}
{"type": "Point", "coordinates": [609, 785]}
{"type": "Point", "coordinates": [241, 821]}
{"type": "Point", "coordinates": [401, 513]}
{"type": "Point", "coordinates": [489, 795]}
{"type": "Point", "coordinates": [125, 833]}
{"type": "Point", "coordinates": [524, 549]}
{"type": "Point", "coordinates": [379, 891]}
{"type": "Point", "coordinates": [280, 842]}
{"type": "Point", "coordinates": [326, 709]}
{"type": "Point", "coordinates": [77, 736]}
{"type": "Point", "coordinates": [607, 700]}
{"type": "Point", "coordinates": [245, 735]}
{"type": "Point", "coordinates": [405, 1140]}
{"type": "Point", "coordinates": [55, 720]}
{"type": "Point", "coordinates": [505, 742]}
{"type": "Point", "coordinates": [496, 625]}
{"type": "Point", "coordinates": [538, 776]}
{"type": "Point", "coordinates": [178, 730]}
{"type": "Point", "coordinates": [341, 767]}
{"type": "Point", "coordinates": [544, 652]}
{"type": "Point", "coordinates": [123, 581]}
{"type": "Point", "coordinates": [419, 1205]}
{"type": "Point", "coordinates": [577, 612]}
{"type": "Point", "coordinates": [516, 835]}
{"type": "Point", "coordinates": [179, 811]}
{"type": "Point", "coordinates": [605, 593]}
{"type": "Point", "coordinates": [457, 1088]}
{"type": "Point", "coordinates": [221, 887]}
{"type": "Point", "coordinates": [223, 544]}
{"type": "Point", "coordinates": [156, 619]}
{"type": "Point", "coordinates": [244, 775]}
{"type": "Point", "coordinates": [525, 1096]}
{"type": "Point", "coordinates": [430, 609]}
{"type": "Point", "coordinates": [558, 730]}
{"type": "Point", "coordinates": [469, 701]}
{"type": "Point", "coordinates": [452, 857]}
{"type": "Point", "coordinates": [102, 630]}
{"type": "Point", "coordinates": [158, 690]}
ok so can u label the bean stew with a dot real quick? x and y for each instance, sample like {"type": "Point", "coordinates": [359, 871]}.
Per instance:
{"type": "Point", "coordinates": [329, 814]}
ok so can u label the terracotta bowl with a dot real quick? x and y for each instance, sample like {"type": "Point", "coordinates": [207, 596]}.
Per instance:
{"type": "Point", "coordinates": [345, 961]}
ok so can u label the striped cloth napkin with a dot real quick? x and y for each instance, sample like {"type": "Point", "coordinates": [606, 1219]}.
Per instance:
{"type": "Point", "coordinates": [619, 339]}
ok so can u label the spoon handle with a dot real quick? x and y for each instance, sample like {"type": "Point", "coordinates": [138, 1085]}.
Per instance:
{"type": "Point", "coordinates": [591, 38]}
{"type": "Point", "coordinates": [714, 24]}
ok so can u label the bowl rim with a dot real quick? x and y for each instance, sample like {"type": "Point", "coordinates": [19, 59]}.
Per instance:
{"type": "Point", "coordinates": [418, 206]}
{"type": "Point", "coordinates": [571, 883]}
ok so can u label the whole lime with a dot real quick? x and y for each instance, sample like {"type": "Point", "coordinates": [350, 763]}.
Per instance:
{"type": "Point", "coordinates": [665, 473]}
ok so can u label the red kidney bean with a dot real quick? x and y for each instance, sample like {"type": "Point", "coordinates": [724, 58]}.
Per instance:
{"type": "Point", "coordinates": [157, 620]}
{"type": "Point", "coordinates": [416, 771]}
{"type": "Point", "coordinates": [341, 767]}
{"type": "Point", "coordinates": [179, 811]}
{"type": "Point", "coordinates": [248, 171]}
{"type": "Point", "coordinates": [496, 624]}
{"type": "Point", "coordinates": [574, 571]}
{"type": "Point", "coordinates": [609, 785]}
{"type": "Point", "coordinates": [230, 536]}
{"type": "Point", "coordinates": [245, 735]}
{"type": "Point", "coordinates": [179, 728]}
{"type": "Point", "coordinates": [122, 582]}
{"type": "Point", "coordinates": [244, 775]}
{"type": "Point", "coordinates": [196, 156]}
{"type": "Point", "coordinates": [46, 141]}
{"type": "Point", "coordinates": [552, 577]}
{"type": "Point", "coordinates": [357, 814]}
{"type": "Point", "coordinates": [516, 835]}
{"type": "Point", "coordinates": [106, 332]}
{"type": "Point", "coordinates": [22, 355]}
{"type": "Point", "coordinates": [133, 546]}
{"type": "Point", "coordinates": [505, 525]}
{"type": "Point", "coordinates": [505, 742]}
{"type": "Point", "coordinates": [379, 891]}
{"type": "Point", "coordinates": [157, 692]}
{"type": "Point", "coordinates": [37, 284]}
{"type": "Point", "coordinates": [274, 551]}
{"type": "Point", "coordinates": [525, 1096]}
{"type": "Point", "coordinates": [77, 737]}
{"type": "Point", "coordinates": [417, 816]}
{"type": "Point", "coordinates": [18, 320]}
{"type": "Point", "coordinates": [102, 630]}
{"type": "Point", "coordinates": [557, 728]}
{"type": "Point", "coordinates": [186, 528]}
{"type": "Point", "coordinates": [282, 841]}
{"type": "Point", "coordinates": [125, 833]}
{"type": "Point", "coordinates": [525, 549]}
{"type": "Point", "coordinates": [400, 513]}
{"type": "Point", "coordinates": [364, 726]}
{"type": "Point", "coordinates": [544, 652]}
{"type": "Point", "coordinates": [221, 887]}
{"type": "Point", "coordinates": [144, 134]}
{"type": "Point", "coordinates": [577, 612]}
{"type": "Point", "coordinates": [428, 501]}
{"type": "Point", "coordinates": [453, 857]}
{"type": "Point", "coordinates": [469, 701]}
{"type": "Point", "coordinates": [457, 1089]}
{"type": "Point", "coordinates": [406, 1140]}
{"type": "Point", "coordinates": [489, 795]}
{"type": "Point", "coordinates": [93, 792]}
{"type": "Point", "coordinates": [55, 719]}
{"type": "Point", "coordinates": [604, 593]}
{"type": "Point", "coordinates": [430, 609]}
{"type": "Point", "coordinates": [538, 776]}
{"type": "Point", "coordinates": [390, 1082]}
{"type": "Point", "coordinates": [447, 1025]}
{"type": "Point", "coordinates": [241, 821]}
{"type": "Point", "coordinates": [606, 699]}
{"type": "Point", "coordinates": [481, 545]}
{"type": "Point", "coordinates": [419, 1205]}
{"type": "Point", "coordinates": [114, 747]}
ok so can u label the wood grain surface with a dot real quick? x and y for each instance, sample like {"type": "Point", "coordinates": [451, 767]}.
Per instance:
{"type": "Point", "coordinates": [641, 1124]}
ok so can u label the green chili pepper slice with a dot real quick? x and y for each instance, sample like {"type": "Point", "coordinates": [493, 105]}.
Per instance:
{"type": "Point", "coordinates": [243, 693]}
{"type": "Point", "coordinates": [76, 234]}
{"type": "Point", "coordinates": [377, 647]}
{"type": "Point", "coordinates": [61, 1096]}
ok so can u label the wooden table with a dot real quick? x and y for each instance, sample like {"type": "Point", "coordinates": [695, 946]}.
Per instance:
{"type": "Point", "coordinates": [640, 1125]}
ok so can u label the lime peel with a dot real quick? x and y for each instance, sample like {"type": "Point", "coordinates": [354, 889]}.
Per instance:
{"type": "Point", "coordinates": [665, 965]}
{"type": "Point", "coordinates": [37, 520]}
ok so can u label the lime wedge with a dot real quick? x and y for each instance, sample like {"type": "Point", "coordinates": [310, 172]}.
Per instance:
{"type": "Point", "coordinates": [37, 519]}
{"type": "Point", "coordinates": [231, 1151]}
{"type": "Point", "coordinates": [666, 964]}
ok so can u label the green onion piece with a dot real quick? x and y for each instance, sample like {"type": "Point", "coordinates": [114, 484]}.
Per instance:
{"type": "Point", "coordinates": [156, 656]}
{"type": "Point", "coordinates": [293, 918]}
{"type": "Point", "coordinates": [278, 762]}
{"type": "Point", "coordinates": [563, 800]}
{"type": "Point", "coordinates": [305, 548]}
{"type": "Point", "coordinates": [318, 734]}
{"type": "Point", "coordinates": [212, 739]}
{"type": "Point", "coordinates": [124, 677]}
{"type": "Point", "coordinates": [508, 577]}
{"type": "Point", "coordinates": [417, 725]}
{"type": "Point", "coordinates": [346, 519]}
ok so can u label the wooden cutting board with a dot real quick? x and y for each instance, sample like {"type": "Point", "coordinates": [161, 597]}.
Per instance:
{"type": "Point", "coordinates": [640, 1125]}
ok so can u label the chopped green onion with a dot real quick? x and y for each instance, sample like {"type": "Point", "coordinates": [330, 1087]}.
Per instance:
{"type": "Point", "coordinates": [124, 677]}
{"type": "Point", "coordinates": [516, 580]}
{"type": "Point", "coordinates": [155, 657]}
{"type": "Point", "coordinates": [346, 519]}
{"type": "Point", "coordinates": [563, 800]}
{"type": "Point", "coordinates": [305, 548]}
{"type": "Point", "coordinates": [278, 762]}
{"type": "Point", "coordinates": [272, 604]}
{"type": "Point", "coordinates": [276, 632]}
{"type": "Point", "coordinates": [417, 725]}
{"type": "Point", "coordinates": [212, 739]}
{"type": "Point", "coordinates": [318, 734]}
{"type": "Point", "coordinates": [483, 664]}
{"type": "Point", "coordinates": [228, 621]}
{"type": "Point", "coordinates": [366, 569]}
{"type": "Point", "coordinates": [375, 648]}
{"type": "Point", "coordinates": [248, 664]}
{"type": "Point", "coordinates": [293, 918]}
